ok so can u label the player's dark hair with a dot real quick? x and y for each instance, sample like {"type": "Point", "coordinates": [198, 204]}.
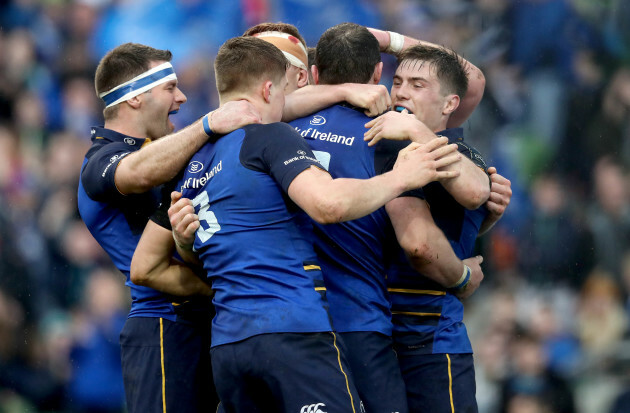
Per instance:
{"type": "Point", "coordinates": [449, 68]}
{"type": "Point", "coordinates": [311, 62]}
{"type": "Point", "coordinates": [123, 63]}
{"type": "Point", "coordinates": [243, 61]}
{"type": "Point", "coordinates": [275, 27]}
{"type": "Point", "coordinates": [346, 53]}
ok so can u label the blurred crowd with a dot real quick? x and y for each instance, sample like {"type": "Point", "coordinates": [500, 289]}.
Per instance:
{"type": "Point", "coordinates": [550, 324]}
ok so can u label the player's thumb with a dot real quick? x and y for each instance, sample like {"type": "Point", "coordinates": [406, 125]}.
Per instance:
{"type": "Point", "coordinates": [479, 259]}
{"type": "Point", "coordinates": [175, 196]}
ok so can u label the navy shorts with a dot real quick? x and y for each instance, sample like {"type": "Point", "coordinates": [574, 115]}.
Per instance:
{"type": "Point", "coordinates": [166, 366]}
{"type": "Point", "coordinates": [376, 372]}
{"type": "Point", "coordinates": [284, 372]}
{"type": "Point", "coordinates": [439, 383]}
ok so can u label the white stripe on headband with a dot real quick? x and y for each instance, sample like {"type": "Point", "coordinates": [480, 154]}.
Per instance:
{"type": "Point", "coordinates": [139, 84]}
{"type": "Point", "coordinates": [294, 60]}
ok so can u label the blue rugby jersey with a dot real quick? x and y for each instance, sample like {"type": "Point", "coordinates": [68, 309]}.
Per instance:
{"type": "Point", "coordinates": [427, 318]}
{"type": "Point", "coordinates": [116, 221]}
{"type": "Point", "coordinates": [261, 262]}
{"type": "Point", "coordinates": [351, 253]}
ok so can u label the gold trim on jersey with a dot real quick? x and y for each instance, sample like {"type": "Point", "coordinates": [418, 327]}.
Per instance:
{"type": "Point", "coordinates": [410, 291]}
{"type": "Point", "coordinates": [417, 314]}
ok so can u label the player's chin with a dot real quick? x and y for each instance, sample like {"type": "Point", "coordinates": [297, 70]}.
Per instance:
{"type": "Point", "coordinates": [170, 126]}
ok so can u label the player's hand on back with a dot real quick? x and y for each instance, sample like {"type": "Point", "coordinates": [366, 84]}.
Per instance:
{"type": "Point", "coordinates": [397, 126]}
{"type": "Point", "coordinates": [419, 164]}
{"type": "Point", "coordinates": [476, 276]}
{"type": "Point", "coordinates": [183, 220]}
{"type": "Point", "coordinates": [233, 115]}
{"type": "Point", "coordinates": [374, 99]}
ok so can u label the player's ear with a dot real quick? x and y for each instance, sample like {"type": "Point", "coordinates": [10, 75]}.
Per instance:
{"type": "Point", "coordinates": [378, 71]}
{"type": "Point", "coordinates": [302, 78]}
{"type": "Point", "coordinates": [135, 102]}
{"type": "Point", "coordinates": [315, 74]}
{"type": "Point", "coordinates": [451, 103]}
{"type": "Point", "coordinates": [266, 90]}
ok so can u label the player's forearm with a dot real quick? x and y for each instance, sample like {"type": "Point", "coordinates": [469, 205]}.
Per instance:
{"type": "Point", "coordinates": [437, 262]}
{"type": "Point", "coordinates": [159, 161]}
{"type": "Point", "coordinates": [471, 188]}
{"type": "Point", "coordinates": [348, 199]}
{"type": "Point", "coordinates": [311, 99]}
{"type": "Point", "coordinates": [426, 247]}
{"type": "Point", "coordinates": [188, 255]}
{"type": "Point", "coordinates": [152, 265]}
{"type": "Point", "coordinates": [329, 201]}
{"type": "Point", "coordinates": [175, 279]}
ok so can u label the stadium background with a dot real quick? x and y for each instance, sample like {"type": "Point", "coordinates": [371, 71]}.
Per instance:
{"type": "Point", "coordinates": [550, 324]}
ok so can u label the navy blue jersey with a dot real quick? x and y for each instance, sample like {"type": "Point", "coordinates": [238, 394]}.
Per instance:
{"type": "Point", "coordinates": [427, 318]}
{"type": "Point", "coordinates": [351, 253]}
{"type": "Point", "coordinates": [116, 221]}
{"type": "Point", "coordinates": [261, 263]}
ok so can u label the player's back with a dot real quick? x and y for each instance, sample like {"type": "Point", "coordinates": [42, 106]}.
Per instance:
{"type": "Point", "coordinates": [350, 252]}
{"type": "Point", "coordinates": [262, 265]}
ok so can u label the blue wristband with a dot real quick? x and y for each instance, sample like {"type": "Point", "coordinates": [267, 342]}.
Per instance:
{"type": "Point", "coordinates": [206, 125]}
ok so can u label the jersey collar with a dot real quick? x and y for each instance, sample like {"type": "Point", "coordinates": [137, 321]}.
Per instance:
{"type": "Point", "coordinates": [453, 134]}
{"type": "Point", "coordinates": [99, 133]}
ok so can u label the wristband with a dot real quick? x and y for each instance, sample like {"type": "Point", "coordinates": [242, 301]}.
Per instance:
{"type": "Point", "coordinates": [396, 42]}
{"type": "Point", "coordinates": [206, 124]}
{"type": "Point", "coordinates": [463, 281]}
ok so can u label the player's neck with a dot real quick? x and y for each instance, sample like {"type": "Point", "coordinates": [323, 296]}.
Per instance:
{"type": "Point", "coordinates": [260, 105]}
{"type": "Point", "coordinates": [127, 127]}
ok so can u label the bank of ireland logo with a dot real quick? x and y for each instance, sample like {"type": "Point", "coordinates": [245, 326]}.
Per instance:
{"type": "Point", "coordinates": [130, 141]}
{"type": "Point", "coordinates": [195, 167]}
{"type": "Point", "coordinates": [318, 120]}
{"type": "Point", "coordinates": [301, 152]}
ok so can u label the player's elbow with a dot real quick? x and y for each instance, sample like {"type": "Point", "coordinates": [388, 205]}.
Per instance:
{"type": "Point", "coordinates": [144, 183]}
{"type": "Point", "coordinates": [132, 180]}
{"type": "Point", "coordinates": [476, 197]}
{"type": "Point", "coordinates": [329, 211]}
{"type": "Point", "coordinates": [419, 254]}
{"type": "Point", "coordinates": [139, 274]}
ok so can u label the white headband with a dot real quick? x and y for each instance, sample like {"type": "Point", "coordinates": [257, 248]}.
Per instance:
{"type": "Point", "coordinates": [139, 84]}
{"type": "Point", "coordinates": [294, 60]}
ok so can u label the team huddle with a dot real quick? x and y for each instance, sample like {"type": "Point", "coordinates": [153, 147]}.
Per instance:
{"type": "Point", "coordinates": [305, 247]}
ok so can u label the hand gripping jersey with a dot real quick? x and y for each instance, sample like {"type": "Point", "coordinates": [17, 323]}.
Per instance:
{"type": "Point", "coordinates": [261, 263]}
{"type": "Point", "coordinates": [427, 318]}
{"type": "Point", "coordinates": [116, 221]}
{"type": "Point", "coordinates": [351, 253]}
